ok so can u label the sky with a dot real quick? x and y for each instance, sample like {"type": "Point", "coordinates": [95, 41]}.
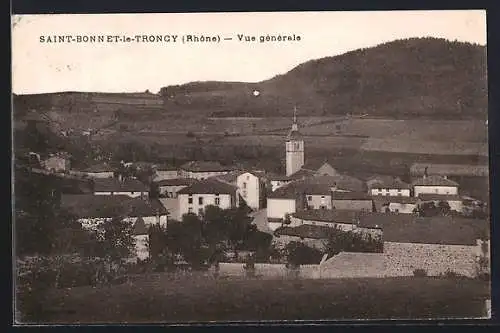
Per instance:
{"type": "Point", "coordinates": [42, 67]}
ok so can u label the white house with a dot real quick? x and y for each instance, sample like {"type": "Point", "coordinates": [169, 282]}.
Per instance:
{"type": "Point", "coordinates": [388, 186]}
{"type": "Point", "coordinates": [118, 186]}
{"type": "Point", "coordinates": [194, 198]}
{"type": "Point", "coordinates": [169, 188]}
{"type": "Point", "coordinates": [251, 187]}
{"type": "Point", "coordinates": [203, 169]}
{"type": "Point", "coordinates": [434, 185]}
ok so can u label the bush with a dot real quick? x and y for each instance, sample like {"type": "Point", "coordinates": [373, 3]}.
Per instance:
{"type": "Point", "coordinates": [419, 272]}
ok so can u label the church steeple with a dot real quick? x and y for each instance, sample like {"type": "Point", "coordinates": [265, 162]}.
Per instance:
{"type": "Point", "coordinates": [294, 125]}
{"type": "Point", "coordinates": [294, 147]}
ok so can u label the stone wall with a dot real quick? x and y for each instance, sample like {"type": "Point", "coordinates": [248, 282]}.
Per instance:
{"type": "Point", "coordinates": [401, 259]}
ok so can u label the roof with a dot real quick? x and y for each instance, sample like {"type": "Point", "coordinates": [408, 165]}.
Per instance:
{"type": "Point", "coordinates": [205, 166]}
{"type": "Point", "coordinates": [115, 185]}
{"type": "Point", "coordinates": [418, 169]}
{"type": "Point", "coordinates": [301, 174]}
{"type": "Point", "coordinates": [274, 176]}
{"type": "Point", "coordinates": [176, 182]}
{"type": "Point", "coordinates": [304, 231]}
{"type": "Point", "coordinates": [101, 167]}
{"type": "Point", "coordinates": [434, 180]}
{"type": "Point", "coordinates": [328, 215]}
{"type": "Point", "coordinates": [386, 182]}
{"type": "Point", "coordinates": [351, 196]}
{"type": "Point", "coordinates": [140, 227]}
{"type": "Point", "coordinates": [406, 228]}
{"type": "Point", "coordinates": [438, 197]}
{"type": "Point", "coordinates": [209, 186]}
{"type": "Point", "coordinates": [314, 165]}
{"type": "Point", "coordinates": [230, 177]}
{"type": "Point", "coordinates": [95, 206]}
{"type": "Point", "coordinates": [394, 199]}
{"type": "Point", "coordinates": [165, 167]}
{"type": "Point", "coordinates": [296, 189]}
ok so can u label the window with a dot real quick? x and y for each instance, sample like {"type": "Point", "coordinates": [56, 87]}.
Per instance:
{"type": "Point", "coordinates": [322, 207]}
{"type": "Point", "coordinates": [400, 194]}
{"type": "Point", "coordinates": [200, 200]}
{"type": "Point", "coordinates": [248, 177]}
{"type": "Point", "coordinates": [244, 194]}
{"type": "Point", "coordinates": [132, 192]}
{"type": "Point", "coordinates": [200, 211]}
{"type": "Point", "coordinates": [309, 198]}
{"type": "Point", "coordinates": [244, 185]}
{"type": "Point", "coordinates": [322, 197]}
{"type": "Point", "coordinates": [190, 200]}
{"type": "Point", "coordinates": [190, 210]}
{"type": "Point", "coordinates": [217, 201]}
{"type": "Point", "coordinates": [112, 193]}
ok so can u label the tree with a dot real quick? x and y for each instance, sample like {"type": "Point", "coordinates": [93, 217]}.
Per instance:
{"type": "Point", "coordinates": [349, 241]}
{"type": "Point", "coordinates": [444, 207]}
{"type": "Point", "coordinates": [300, 254]}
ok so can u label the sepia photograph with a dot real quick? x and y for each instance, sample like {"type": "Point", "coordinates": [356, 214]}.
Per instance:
{"type": "Point", "coordinates": [255, 167]}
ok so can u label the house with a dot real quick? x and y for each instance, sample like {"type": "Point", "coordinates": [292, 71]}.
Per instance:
{"type": "Point", "coordinates": [251, 186]}
{"type": "Point", "coordinates": [357, 201]}
{"type": "Point", "coordinates": [397, 204]}
{"type": "Point", "coordinates": [387, 185]}
{"type": "Point", "coordinates": [91, 209]}
{"type": "Point", "coordinates": [59, 162]}
{"type": "Point", "coordinates": [169, 188]}
{"type": "Point", "coordinates": [194, 198]}
{"type": "Point", "coordinates": [203, 169]}
{"type": "Point", "coordinates": [120, 186]}
{"type": "Point", "coordinates": [310, 193]}
{"type": "Point", "coordinates": [276, 181]}
{"type": "Point", "coordinates": [434, 184]}
{"type": "Point", "coordinates": [101, 170]}
{"type": "Point", "coordinates": [455, 201]}
{"type": "Point", "coordinates": [164, 171]}
{"type": "Point", "coordinates": [313, 227]}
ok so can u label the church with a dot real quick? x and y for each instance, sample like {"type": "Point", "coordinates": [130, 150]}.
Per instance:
{"type": "Point", "coordinates": [304, 181]}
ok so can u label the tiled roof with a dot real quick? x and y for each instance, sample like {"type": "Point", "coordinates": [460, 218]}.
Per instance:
{"type": "Point", "coordinates": [115, 185]}
{"type": "Point", "coordinates": [328, 215]}
{"type": "Point", "coordinates": [386, 182]}
{"type": "Point", "coordinates": [230, 177]}
{"type": "Point", "coordinates": [406, 228]}
{"type": "Point", "coordinates": [176, 182]}
{"type": "Point", "coordinates": [101, 167]}
{"type": "Point", "coordinates": [205, 166]}
{"type": "Point", "coordinates": [94, 206]}
{"type": "Point", "coordinates": [294, 135]}
{"type": "Point", "coordinates": [209, 186]}
{"type": "Point", "coordinates": [440, 197]}
{"type": "Point", "coordinates": [351, 196]}
{"type": "Point", "coordinates": [434, 180]}
{"type": "Point", "coordinates": [314, 165]}
{"type": "Point", "coordinates": [301, 174]}
{"type": "Point", "coordinates": [304, 231]}
{"type": "Point", "coordinates": [418, 169]}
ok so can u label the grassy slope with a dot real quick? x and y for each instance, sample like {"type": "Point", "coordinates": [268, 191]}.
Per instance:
{"type": "Point", "coordinates": [204, 299]}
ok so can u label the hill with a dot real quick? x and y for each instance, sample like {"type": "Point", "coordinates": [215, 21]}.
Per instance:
{"type": "Point", "coordinates": [415, 77]}
{"type": "Point", "coordinates": [405, 78]}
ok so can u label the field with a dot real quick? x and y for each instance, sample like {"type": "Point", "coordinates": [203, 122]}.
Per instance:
{"type": "Point", "coordinates": [157, 298]}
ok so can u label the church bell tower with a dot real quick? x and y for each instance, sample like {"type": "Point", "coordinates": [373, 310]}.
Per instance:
{"type": "Point", "coordinates": [294, 148]}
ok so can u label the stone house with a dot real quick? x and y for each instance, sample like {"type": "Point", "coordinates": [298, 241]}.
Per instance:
{"type": "Point", "coordinates": [387, 186]}
{"type": "Point", "coordinates": [203, 169]}
{"type": "Point", "coordinates": [169, 188]}
{"type": "Point", "coordinates": [434, 185]}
